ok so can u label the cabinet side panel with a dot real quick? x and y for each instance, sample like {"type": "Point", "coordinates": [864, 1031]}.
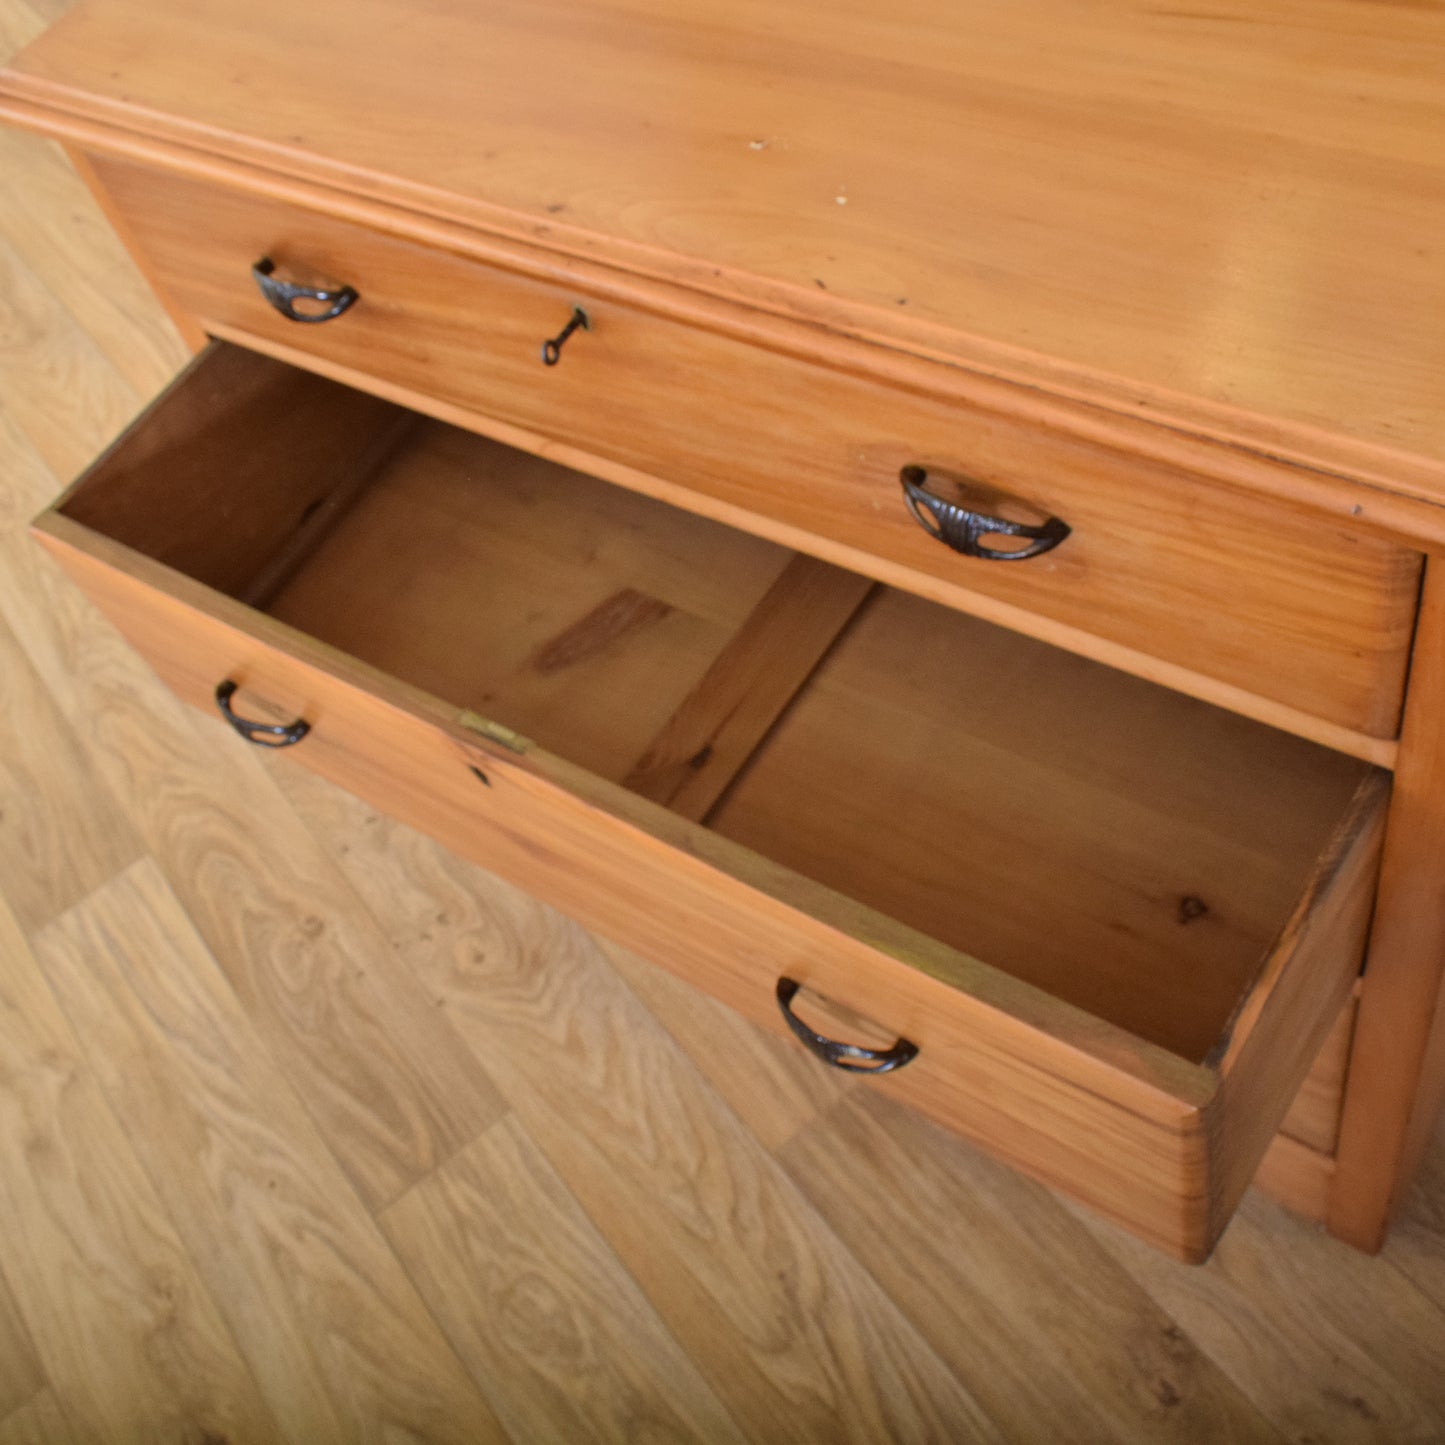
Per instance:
{"type": "Point", "coordinates": [189, 328]}
{"type": "Point", "coordinates": [1396, 1079]}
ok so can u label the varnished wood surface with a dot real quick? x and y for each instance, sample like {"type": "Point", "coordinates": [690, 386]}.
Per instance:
{"type": "Point", "coordinates": [1302, 613]}
{"type": "Point", "coordinates": [754, 1202]}
{"type": "Point", "coordinates": [1216, 215]}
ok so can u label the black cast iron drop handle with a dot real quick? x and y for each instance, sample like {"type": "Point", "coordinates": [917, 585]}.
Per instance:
{"type": "Point", "coordinates": [265, 735]}
{"type": "Point", "coordinates": [951, 508]}
{"type": "Point", "coordinates": [284, 295]}
{"type": "Point", "coordinates": [853, 1057]}
{"type": "Point", "coordinates": [552, 350]}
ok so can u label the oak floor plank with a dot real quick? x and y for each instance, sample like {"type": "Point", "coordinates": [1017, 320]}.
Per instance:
{"type": "Point", "coordinates": [1415, 1249]}
{"type": "Point", "coordinates": [388, 1081]}
{"type": "Point", "coordinates": [1322, 1338]}
{"type": "Point", "coordinates": [540, 1309]}
{"type": "Point", "coordinates": [997, 1274]}
{"type": "Point", "coordinates": [342, 1347]}
{"type": "Point", "coordinates": [22, 20]}
{"type": "Point", "coordinates": [40, 1421]}
{"type": "Point", "coordinates": [61, 833]}
{"type": "Point", "coordinates": [773, 1084]}
{"type": "Point", "coordinates": [797, 1340]}
{"type": "Point", "coordinates": [58, 231]}
{"type": "Point", "coordinates": [126, 1333]}
{"type": "Point", "coordinates": [56, 382]}
{"type": "Point", "coordinates": [20, 1373]}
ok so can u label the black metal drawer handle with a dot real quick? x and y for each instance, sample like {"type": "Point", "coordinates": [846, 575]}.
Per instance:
{"type": "Point", "coordinates": [842, 1056]}
{"type": "Point", "coordinates": [265, 735]}
{"type": "Point", "coordinates": [284, 295]}
{"type": "Point", "coordinates": [963, 527]}
{"type": "Point", "coordinates": [552, 350]}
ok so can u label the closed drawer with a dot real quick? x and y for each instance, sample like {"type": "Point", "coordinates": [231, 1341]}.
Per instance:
{"type": "Point", "coordinates": [1240, 599]}
{"type": "Point", "coordinates": [1115, 923]}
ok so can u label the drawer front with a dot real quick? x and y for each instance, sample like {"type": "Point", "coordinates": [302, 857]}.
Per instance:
{"type": "Point", "coordinates": [1162, 1145]}
{"type": "Point", "coordinates": [1159, 566]}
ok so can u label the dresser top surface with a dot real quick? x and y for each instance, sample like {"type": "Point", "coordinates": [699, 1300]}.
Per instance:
{"type": "Point", "coordinates": [1229, 215]}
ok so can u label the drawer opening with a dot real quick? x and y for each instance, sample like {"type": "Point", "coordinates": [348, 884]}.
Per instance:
{"type": "Point", "coordinates": [1130, 851]}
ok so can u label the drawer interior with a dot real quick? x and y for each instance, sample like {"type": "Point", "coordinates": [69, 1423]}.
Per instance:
{"type": "Point", "coordinates": [1130, 850]}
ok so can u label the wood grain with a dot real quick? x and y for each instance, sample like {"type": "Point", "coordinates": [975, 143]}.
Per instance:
{"type": "Point", "coordinates": [387, 1081]}
{"type": "Point", "coordinates": [796, 1341]}
{"type": "Point", "coordinates": [935, 761]}
{"type": "Point", "coordinates": [247, 452]}
{"type": "Point", "coordinates": [773, 1084]}
{"type": "Point", "coordinates": [572, 611]}
{"type": "Point", "coordinates": [39, 1422]}
{"type": "Point", "coordinates": [1178, 677]}
{"type": "Point", "coordinates": [539, 1307]}
{"type": "Point", "coordinates": [1298, 1177]}
{"type": "Point", "coordinates": [1314, 1116]}
{"type": "Point", "coordinates": [1309, 1312]}
{"type": "Point", "coordinates": [994, 1274]}
{"type": "Point", "coordinates": [71, 648]}
{"type": "Point", "coordinates": [1156, 562]}
{"type": "Point", "coordinates": [1031, 1066]}
{"type": "Point", "coordinates": [640, 874]}
{"type": "Point", "coordinates": [20, 1373]}
{"type": "Point", "coordinates": [701, 747]}
{"type": "Point", "coordinates": [85, 402]}
{"type": "Point", "coordinates": [81, 264]}
{"type": "Point", "coordinates": [120, 1318]}
{"type": "Point", "coordinates": [1397, 1060]}
{"type": "Point", "coordinates": [1163, 257]}
{"type": "Point", "coordinates": [1309, 973]}
{"type": "Point", "coordinates": [61, 832]}
{"type": "Point", "coordinates": [331, 1327]}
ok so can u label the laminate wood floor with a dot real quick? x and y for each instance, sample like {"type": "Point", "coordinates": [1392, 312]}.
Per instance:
{"type": "Point", "coordinates": [310, 1132]}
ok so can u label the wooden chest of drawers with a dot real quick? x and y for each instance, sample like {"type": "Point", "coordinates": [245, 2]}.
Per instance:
{"type": "Point", "coordinates": [1024, 726]}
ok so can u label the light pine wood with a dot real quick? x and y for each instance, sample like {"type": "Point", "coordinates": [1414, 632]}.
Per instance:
{"type": "Point", "coordinates": [187, 331]}
{"type": "Point", "coordinates": [1314, 1116]}
{"type": "Point", "coordinates": [576, 613]}
{"type": "Point", "coordinates": [641, 875]}
{"type": "Point", "coordinates": [934, 762]}
{"type": "Point", "coordinates": [1274, 1039]}
{"type": "Point", "coordinates": [1003, 188]}
{"type": "Point", "coordinates": [1297, 1176]}
{"type": "Point", "coordinates": [1100, 1357]}
{"type": "Point", "coordinates": [331, 1327]}
{"type": "Point", "coordinates": [1397, 1059]}
{"type": "Point", "coordinates": [255, 452]}
{"type": "Point", "coordinates": [1225, 584]}
{"type": "Point", "coordinates": [720, 723]}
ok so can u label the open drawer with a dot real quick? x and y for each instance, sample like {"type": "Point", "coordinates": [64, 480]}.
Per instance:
{"type": "Point", "coordinates": [1096, 926]}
